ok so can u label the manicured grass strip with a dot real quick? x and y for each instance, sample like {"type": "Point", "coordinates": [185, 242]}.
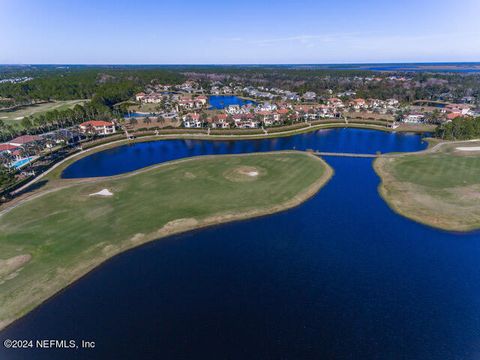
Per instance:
{"type": "Point", "coordinates": [440, 189]}
{"type": "Point", "coordinates": [51, 240]}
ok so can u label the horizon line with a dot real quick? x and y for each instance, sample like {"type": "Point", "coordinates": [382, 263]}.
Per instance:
{"type": "Point", "coordinates": [243, 64]}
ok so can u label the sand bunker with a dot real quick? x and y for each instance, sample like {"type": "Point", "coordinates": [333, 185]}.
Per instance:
{"type": "Point", "coordinates": [9, 266]}
{"type": "Point", "coordinates": [244, 173]}
{"type": "Point", "coordinates": [468, 148]}
{"type": "Point", "coordinates": [104, 192]}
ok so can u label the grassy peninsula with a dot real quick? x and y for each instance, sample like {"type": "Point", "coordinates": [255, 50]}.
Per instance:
{"type": "Point", "coordinates": [439, 187]}
{"type": "Point", "coordinates": [66, 230]}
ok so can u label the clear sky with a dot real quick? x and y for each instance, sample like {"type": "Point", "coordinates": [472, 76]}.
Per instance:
{"type": "Point", "coordinates": [238, 32]}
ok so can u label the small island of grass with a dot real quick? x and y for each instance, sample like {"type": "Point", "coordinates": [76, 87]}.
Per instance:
{"type": "Point", "coordinates": [439, 187]}
{"type": "Point", "coordinates": [71, 226]}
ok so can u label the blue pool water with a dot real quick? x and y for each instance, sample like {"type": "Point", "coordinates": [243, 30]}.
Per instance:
{"type": "Point", "coordinates": [223, 101]}
{"type": "Point", "coordinates": [20, 163]}
{"type": "Point", "coordinates": [338, 277]}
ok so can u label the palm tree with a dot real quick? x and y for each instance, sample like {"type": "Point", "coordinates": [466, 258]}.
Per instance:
{"type": "Point", "coordinates": [133, 121]}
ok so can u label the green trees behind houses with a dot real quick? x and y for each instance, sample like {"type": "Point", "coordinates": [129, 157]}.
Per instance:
{"type": "Point", "coordinates": [459, 129]}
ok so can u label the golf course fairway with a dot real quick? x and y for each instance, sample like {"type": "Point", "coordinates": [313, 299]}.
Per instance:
{"type": "Point", "coordinates": [53, 238]}
{"type": "Point", "coordinates": [439, 188]}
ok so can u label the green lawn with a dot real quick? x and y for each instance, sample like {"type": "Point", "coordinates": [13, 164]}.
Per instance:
{"type": "Point", "coordinates": [441, 189]}
{"type": "Point", "coordinates": [14, 117]}
{"type": "Point", "coordinates": [67, 232]}
{"type": "Point", "coordinates": [438, 170]}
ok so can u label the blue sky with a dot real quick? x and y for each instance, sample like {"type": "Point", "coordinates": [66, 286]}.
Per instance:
{"type": "Point", "coordinates": [238, 32]}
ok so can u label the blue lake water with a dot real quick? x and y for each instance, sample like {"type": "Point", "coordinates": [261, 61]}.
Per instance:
{"type": "Point", "coordinates": [339, 277]}
{"type": "Point", "coordinates": [131, 157]}
{"type": "Point", "coordinates": [223, 101]}
{"type": "Point", "coordinates": [136, 114]}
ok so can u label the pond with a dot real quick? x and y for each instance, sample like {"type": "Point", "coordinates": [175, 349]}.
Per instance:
{"type": "Point", "coordinates": [135, 156]}
{"type": "Point", "coordinates": [340, 276]}
{"type": "Point", "coordinates": [219, 102]}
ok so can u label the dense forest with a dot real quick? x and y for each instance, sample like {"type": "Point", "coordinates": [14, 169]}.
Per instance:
{"type": "Point", "coordinates": [111, 84]}
{"type": "Point", "coordinates": [459, 129]}
{"type": "Point", "coordinates": [82, 82]}
{"type": "Point", "coordinates": [106, 86]}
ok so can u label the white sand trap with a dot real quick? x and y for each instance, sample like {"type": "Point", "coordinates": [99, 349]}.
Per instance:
{"type": "Point", "coordinates": [19, 118]}
{"type": "Point", "coordinates": [3, 117]}
{"type": "Point", "coordinates": [469, 148]}
{"type": "Point", "coordinates": [104, 192]}
{"type": "Point", "coordinates": [252, 173]}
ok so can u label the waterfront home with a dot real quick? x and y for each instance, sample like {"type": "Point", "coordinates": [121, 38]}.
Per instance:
{"type": "Point", "coordinates": [7, 148]}
{"type": "Point", "coordinates": [246, 124]}
{"type": "Point", "coordinates": [233, 109]}
{"type": "Point", "coordinates": [192, 120]}
{"type": "Point", "coordinates": [63, 136]}
{"type": "Point", "coordinates": [140, 96]}
{"type": "Point", "coordinates": [454, 115]}
{"type": "Point", "coordinates": [97, 127]}
{"type": "Point", "coordinates": [189, 103]}
{"type": "Point", "coordinates": [462, 109]}
{"type": "Point", "coordinates": [219, 121]}
{"type": "Point", "coordinates": [152, 98]}
{"type": "Point", "coordinates": [24, 140]}
{"type": "Point", "coordinates": [414, 118]}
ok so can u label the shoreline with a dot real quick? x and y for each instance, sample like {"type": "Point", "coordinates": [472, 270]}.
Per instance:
{"type": "Point", "coordinates": [202, 136]}
{"type": "Point", "coordinates": [58, 168]}
{"type": "Point", "coordinates": [425, 215]}
{"type": "Point", "coordinates": [168, 229]}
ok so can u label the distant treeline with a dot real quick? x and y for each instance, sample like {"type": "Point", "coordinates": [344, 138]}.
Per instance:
{"type": "Point", "coordinates": [83, 83]}
{"type": "Point", "coordinates": [104, 86]}
{"type": "Point", "coordinates": [459, 129]}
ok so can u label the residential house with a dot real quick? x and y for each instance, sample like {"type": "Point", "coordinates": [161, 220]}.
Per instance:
{"type": "Point", "coordinates": [192, 120]}
{"type": "Point", "coordinates": [309, 96]}
{"type": "Point", "coordinates": [24, 140]}
{"type": "Point", "coordinates": [97, 127]}
{"type": "Point", "coordinates": [414, 118]}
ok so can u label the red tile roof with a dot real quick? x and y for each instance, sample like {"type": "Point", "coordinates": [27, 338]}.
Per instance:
{"type": "Point", "coordinates": [96, 123]}
{"type": "Point", "coordinates": [25, 139]}
{"type": "Point", "coordinates": [7, 147]}
{"type": "Point", "coordinates": [452, 116]}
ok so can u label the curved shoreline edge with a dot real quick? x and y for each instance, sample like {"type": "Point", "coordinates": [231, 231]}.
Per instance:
{"type": "Point", "coordinates": [386, 177]}
{"type": "Point", "coordinates": [58, 168]}
{"type": "Point", "coordinates": [84, 269]}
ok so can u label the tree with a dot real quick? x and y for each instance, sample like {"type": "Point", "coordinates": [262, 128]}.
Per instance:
{"type": "Point", "coordinates": [133, 121]}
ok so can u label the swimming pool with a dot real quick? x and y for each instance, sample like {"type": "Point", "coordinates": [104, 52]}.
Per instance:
{"type": "Point", "coordinates": [22, 162]}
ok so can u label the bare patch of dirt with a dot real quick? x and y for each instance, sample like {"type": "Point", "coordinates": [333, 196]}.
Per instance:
{"type": "Point", "coordinates": [178, 225]}
{"type": "Point", "coordinates": [244, 173]}
{"type": "Point", "coordinates": [189, 175]}
{"type": "Point", "coordinates": [9, 267]}
{"type": "Point", "coordinates": [137, 238]}
{"type": "Point", "coordinates": [450, 208]}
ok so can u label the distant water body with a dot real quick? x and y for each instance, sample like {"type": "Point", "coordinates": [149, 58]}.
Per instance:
{"type": "Point", "coordinates": [396, 67]}
{"type": "Point", "coordinates": [219, 102]}
{"type": "Point", "coordinates": [339, 277]}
